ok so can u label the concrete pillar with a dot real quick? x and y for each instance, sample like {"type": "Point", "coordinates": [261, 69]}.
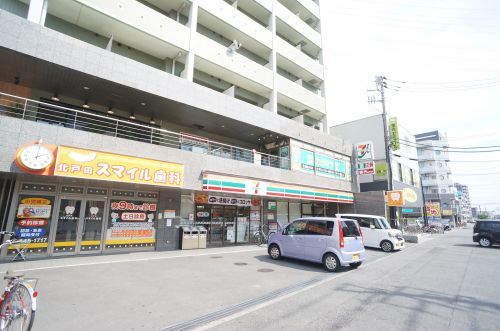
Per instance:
{"type": "Point", "coordinates": [273, 96]}
{"type": "Point", "coordinates": [188, 71]}
{"type": "Point", "coordinates": [37, 11]}
{"type": "Point", "coordinates": [167, 229]}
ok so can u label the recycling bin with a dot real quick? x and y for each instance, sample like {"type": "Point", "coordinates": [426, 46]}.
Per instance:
{"type": "Point", "coordinates": [188, 237]}
{"type": "Point", "coordinates": [202, 237]}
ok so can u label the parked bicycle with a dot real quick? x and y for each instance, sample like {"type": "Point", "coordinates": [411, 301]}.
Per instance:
{"type": "Point", "coordinates": [433, 228]}
{"type": "Point", "coordinates": [261, 236]}
{"type": "Point", "coordinates": [18, 301]}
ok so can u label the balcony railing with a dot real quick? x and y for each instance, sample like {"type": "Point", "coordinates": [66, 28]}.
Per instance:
{"type": "Point", "coordinates": [79, 119]}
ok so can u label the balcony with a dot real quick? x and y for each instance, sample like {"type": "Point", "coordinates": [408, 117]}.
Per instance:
{"type": "Point", "coordinates": [129, 22]}
{"type": "Point", "coordinates": [229, 22]}
{"type": "Point", "coordinates": [296, 62]}
{"type": "Point", "coordinates": [56, 116]}
{"type": "Point", "coordinates": [296, 97]}
{"type": "Point", "coordinates": [294, 29]}
{"type": "Point", "coordinates": [214, 59]}
{"type": "Point", "coordinates": [307, 9]}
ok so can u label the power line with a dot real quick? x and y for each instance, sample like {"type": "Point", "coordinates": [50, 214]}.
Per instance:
{"type": "Point", "coordinates": [450, 147]}
{"type": "Point", "coordinates": [445, 83]}
{"type": "Point", "coordinates": [448, 151]}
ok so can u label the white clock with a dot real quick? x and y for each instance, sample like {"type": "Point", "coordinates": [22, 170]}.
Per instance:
{"type": "Point", "coordinates": [36, 157]}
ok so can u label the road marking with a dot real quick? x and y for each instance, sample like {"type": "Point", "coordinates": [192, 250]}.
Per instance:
{"type": "Point", "coordinates": [227, 314]}
{"type": "Point", "coordinates": [136, 260]}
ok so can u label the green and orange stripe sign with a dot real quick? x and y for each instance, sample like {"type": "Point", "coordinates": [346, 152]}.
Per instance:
{"type": "Point", "coordinates": [229, 184]}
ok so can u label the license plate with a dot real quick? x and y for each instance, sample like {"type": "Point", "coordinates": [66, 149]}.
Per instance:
{"type": "Point", "coordinates": [355, 257]}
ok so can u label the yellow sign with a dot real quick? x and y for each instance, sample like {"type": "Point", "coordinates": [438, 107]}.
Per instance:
{"type": "Point", "coordinates": [88, 164]}
{"type": "Point", "coordinates": [410, 195]}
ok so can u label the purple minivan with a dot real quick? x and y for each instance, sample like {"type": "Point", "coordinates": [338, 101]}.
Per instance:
{"type": "Point", "coordinates": [334, 242]}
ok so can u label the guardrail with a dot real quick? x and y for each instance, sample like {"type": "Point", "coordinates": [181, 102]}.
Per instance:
{"type": "Point", "coordinates": [79, 119]}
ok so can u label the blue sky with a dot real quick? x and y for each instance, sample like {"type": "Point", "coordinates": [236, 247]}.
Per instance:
{"type": "Point", "coordinates": [447, 51]}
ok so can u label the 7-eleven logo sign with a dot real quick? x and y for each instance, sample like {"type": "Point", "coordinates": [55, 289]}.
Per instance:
{"type": "Point", "coordinates": [256, 187]}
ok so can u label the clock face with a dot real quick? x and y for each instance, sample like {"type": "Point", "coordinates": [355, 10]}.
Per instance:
{"type": "Point", "coordinates": [36, 157]}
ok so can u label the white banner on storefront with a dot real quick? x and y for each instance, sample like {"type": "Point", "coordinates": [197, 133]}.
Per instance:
{"type": "Point", "coordinates": [218, 200]}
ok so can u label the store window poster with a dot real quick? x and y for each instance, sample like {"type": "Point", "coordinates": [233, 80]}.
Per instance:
{"type": "Point", "coordinates": [33, 218]}
{"type": "Point", "coordinates": [131, 221]}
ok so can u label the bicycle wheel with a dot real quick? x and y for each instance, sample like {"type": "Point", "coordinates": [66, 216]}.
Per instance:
{"type": "Point", "coordinates": [258, 238]}
{"type": "Point", "coordinates": [17, 310]}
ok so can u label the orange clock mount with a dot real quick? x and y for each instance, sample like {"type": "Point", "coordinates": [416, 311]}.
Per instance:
{"type": "Point", "coordinates": [36, 158]}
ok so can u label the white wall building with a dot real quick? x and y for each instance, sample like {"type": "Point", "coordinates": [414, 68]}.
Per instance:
{"type": "Point", "coordinates": [229, 95]}
{"type": "Point", "coordinates": [433, 156]}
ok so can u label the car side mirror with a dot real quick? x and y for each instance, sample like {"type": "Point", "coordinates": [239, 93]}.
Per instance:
{"type": "Point", "coordinates": [372, 226]}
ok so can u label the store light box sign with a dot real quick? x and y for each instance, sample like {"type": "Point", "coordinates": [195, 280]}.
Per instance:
{"type": "Point", "coordinates": [231, 184]}
{"type": "Point", "coordinates": [219, 200]}
{"type": "Point", "coordinates": [364, 151]}
{"type": "Point", "coordinates": [318, 161]}
{"type": "Point", "coordinates": [365, 168]}
{"type": "Point", "coordinates": [88, 164]}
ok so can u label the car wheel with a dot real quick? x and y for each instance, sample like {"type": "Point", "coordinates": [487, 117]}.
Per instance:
{"type": "Point", "coordinates": [274, 252]}
{"type": "Point", "coordinates": [355, 265]}
{"type": "Point", "coordinates": [331, 262]}
{"type": "Point", "coordinates": [484, 242]}
{"type": "Point", "coordinates": [386, 246]}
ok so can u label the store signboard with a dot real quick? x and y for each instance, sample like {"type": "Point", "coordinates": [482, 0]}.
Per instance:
{"type": "Point", "coordinates": [89, 164]}
{"type": "Point", "coordinates": [395, 198]}
{"type": "Point", "coordinates": [433, 209]}
{"type": "Point", "coordinates": [446, 212]}
{"type": "Point", "coordinates": [318, 161]}
{"type": "Point", "coordinates": [381, 169]}
{"type": "Point", "coordinates": [394, 133]}
{"type": "Point", "coordinates": [365, 168]}
{"type": "Point", "coordinates": [131, 223]}
{"type": "Point", "coordinates": [232, 184]}
{"type": "Point", "coordinates": [230, 201]}
{"type": "Point", "coordinates": [306, 160]}
{"type": "Point", "coordinates": [364, 151]}
{"type": "Point", "coordinates": [326, 165]}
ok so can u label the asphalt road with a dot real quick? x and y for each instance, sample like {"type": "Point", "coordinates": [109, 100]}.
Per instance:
{"type": "Point", "coordinates": [446, 283]}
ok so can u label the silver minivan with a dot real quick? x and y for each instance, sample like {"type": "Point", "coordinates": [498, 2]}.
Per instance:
{"type": "Point", "coordinates": [334, 242]}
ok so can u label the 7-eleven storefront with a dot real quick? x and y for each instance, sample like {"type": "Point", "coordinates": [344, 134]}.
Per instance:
{"type": "Point", "coordinates": [232, 208]}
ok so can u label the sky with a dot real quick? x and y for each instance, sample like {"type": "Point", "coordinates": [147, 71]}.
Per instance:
{"type": "Point", "coordinates": [446, 53]}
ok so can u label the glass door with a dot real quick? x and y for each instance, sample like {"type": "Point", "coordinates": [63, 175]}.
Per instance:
{"type": "Point", "coordinates": [90, 230]}
{"type": "Point", "coordinates": [68, 218]}
{"type": "Point", "coordinates": [79, 226]}
{"type": "Point", "coordinates": [243, 225]}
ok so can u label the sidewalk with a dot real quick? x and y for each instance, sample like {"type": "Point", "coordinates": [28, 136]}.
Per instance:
{"type": "Point", "coordinates": [87, 260]}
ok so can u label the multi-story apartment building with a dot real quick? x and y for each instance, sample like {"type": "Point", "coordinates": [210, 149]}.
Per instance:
{"type": "Point", "coordinates": [462, 193]}
{"type": "Point", "coordinates": [433, 156]}
{"type": "Point", "coordinates": [122, 120]}
{"type": "Point", "coordinates": [367, 135]}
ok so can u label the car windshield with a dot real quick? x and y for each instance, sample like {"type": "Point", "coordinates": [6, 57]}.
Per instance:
{"type": "Point", "coordinates": [384, 223]}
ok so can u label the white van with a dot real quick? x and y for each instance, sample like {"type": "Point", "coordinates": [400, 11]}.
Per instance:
{"type": "Point", "coordinates": [377, 232]}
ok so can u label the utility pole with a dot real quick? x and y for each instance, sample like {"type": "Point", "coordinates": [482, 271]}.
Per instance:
{"type": "Point", "coordinates": [381, 84]}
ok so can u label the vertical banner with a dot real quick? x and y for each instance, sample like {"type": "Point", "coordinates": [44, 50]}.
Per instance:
{"type": "Point", "coordinates": [394, 133]}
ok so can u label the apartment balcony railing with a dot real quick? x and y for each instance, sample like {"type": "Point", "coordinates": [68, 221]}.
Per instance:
{"type": "Point", "coordinates": [78, 119]}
